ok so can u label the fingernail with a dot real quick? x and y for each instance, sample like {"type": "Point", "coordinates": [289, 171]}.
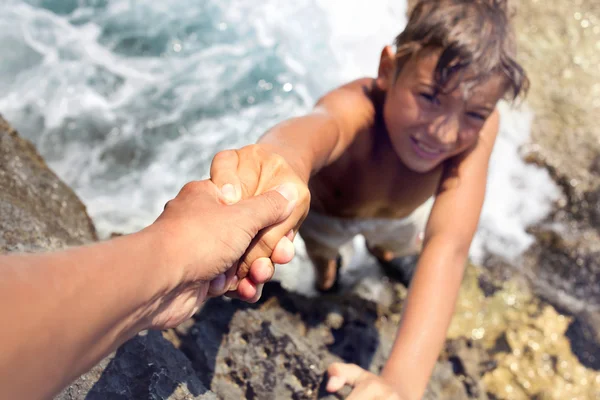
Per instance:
{"type": "Point", "coordinates": [228, 192]}
{"type": "Point", "coordinates": [289, 191]}
{"type": "Point", "coordinates": [259, 290]}
{"type": "Point", "coordinates": [335, 383]}
{"type": "Point", "coordinates": [234, 283]}
{"type": "Point", "coordinates": [290, 249]}
{"type": "Point", "coordinates": [218, 284]}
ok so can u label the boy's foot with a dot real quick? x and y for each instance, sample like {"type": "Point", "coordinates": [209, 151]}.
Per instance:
{"type": "Point", "coordinates": [328, 275]}
{"type": "Point", "coordinates": [400, 269]}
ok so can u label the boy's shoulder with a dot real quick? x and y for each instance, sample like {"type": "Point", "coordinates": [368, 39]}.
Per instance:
{"type": "Point", "coordinates": [355, 103]}
{"type": "Point", "coordinates": [363, 88]}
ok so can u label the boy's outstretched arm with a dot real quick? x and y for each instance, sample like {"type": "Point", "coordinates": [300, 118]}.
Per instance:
{"type": "Point", "coordinates": [435, 285]}
{"type": "Point", "coordinates": [434, 288]}
{"type": "Point", "coordinates": [290, 152]}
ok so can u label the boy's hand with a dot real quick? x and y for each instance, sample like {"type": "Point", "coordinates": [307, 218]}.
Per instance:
{"type": "Point", "coordinates": [247, 172]}
{"type": "Point", "coordinates": [366, 384]}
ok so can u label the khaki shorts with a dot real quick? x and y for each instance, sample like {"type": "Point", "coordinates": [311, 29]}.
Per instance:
{"type": "Point", "coordinates": [324, 235]}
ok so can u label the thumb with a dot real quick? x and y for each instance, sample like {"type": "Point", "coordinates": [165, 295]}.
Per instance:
{"type": "Point", "coordinates": [341, 374]}
{"type": "Point", "coordinates": [268, 208]}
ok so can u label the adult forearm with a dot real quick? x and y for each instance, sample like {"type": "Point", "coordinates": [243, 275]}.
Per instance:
{"type": "Point", "coordinates": [65, 311]}
{"type": "Point", "coordinates": [427, 315]}
{"type": "Point", "coordinates": [307, 143]}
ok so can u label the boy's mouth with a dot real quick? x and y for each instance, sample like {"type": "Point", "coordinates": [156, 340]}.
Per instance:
{"type": "Point", "coordinates": [425, 151]}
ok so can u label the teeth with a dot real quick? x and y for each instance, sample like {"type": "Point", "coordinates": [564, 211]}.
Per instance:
{"type": "Point", "coordinates": [426, 148]}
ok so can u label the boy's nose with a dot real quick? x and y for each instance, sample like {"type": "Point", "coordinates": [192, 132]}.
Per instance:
{"type": "Point", "coordinates": [445, 129]}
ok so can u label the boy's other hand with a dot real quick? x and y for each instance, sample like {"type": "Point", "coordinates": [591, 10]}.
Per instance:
{"type": "Point", "coordinates": [241, 174]}
{"type": "Point", "coordinates": [366, 385]}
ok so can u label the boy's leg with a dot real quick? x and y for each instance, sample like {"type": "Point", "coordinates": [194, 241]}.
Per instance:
{"type": "Point", "coordinates": [391, 250]}
{"type": "Point", "coordinates": [325, 261]}
{"type": "Point", "coordinates": [397, 243]}
{"type": "Point", "coordinates": [400, 268]}
{"type": "Point", "coordinates": [323, 236]}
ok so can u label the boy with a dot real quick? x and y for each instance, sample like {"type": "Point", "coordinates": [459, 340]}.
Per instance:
{"type": "Point", "coordinates": [401, 159]}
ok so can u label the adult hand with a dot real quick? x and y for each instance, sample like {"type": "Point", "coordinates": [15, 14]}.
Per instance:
{"type": "Point", "coordinates": [205, 238]}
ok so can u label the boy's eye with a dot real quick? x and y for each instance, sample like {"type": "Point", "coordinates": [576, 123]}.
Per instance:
{"type": "Point", "coordinates": [430, 98]}
{"type": "Point", "coordinates": [477, 116]}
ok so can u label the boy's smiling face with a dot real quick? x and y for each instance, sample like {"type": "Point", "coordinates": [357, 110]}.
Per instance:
{"type": "Point", "coordinates": [427, 127]}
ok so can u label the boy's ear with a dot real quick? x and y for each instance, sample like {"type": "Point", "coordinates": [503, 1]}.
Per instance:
{"type": "Point", "coordinates": [387, 67]}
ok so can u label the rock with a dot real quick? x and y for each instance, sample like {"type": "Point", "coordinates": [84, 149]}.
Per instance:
{"type": "Point", "coordinates": [469, 361]}
{"type": "Point", "coordinates": [262, 358]}
{"type": "Point", "coordinates": [37, 210]}
{"type": "Point", "coordinates": [584, 336]}
{"type": "Point", "coordinates": [281, 347]}
{"type": "Point", "coordinates": [146, 367]}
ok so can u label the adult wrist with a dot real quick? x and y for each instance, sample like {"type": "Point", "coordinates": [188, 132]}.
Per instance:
{"type": "Point", "coordinates": [159, 271]}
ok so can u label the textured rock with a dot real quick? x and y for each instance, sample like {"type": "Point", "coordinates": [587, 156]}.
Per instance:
{"type": "Point", "coordinates": [280, 348]}
{"type": "Point", "coordinates": [37, 210]}
{"type": "Point", "coordinates": [469, 361]}
{"type": "Point", "coordinates": [146, 367]}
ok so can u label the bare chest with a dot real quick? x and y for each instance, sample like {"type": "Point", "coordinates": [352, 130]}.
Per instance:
{"type": "Point", "coordinates": [371, 187]}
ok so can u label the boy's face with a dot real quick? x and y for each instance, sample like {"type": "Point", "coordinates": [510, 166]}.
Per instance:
{"type": "Point", "coordinates": [426, 127]}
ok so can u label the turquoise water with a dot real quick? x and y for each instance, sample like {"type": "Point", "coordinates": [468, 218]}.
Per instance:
{"type": "Point", "coordinates": [128, 100]}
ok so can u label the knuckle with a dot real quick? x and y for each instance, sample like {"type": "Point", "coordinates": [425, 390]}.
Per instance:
{"type": "Point", "coordinates": [263, 246]}
{"type": "Point", "coordinates": [276, 162]}
{"type": "Point", "coordinates": [243, 268]}
{"type": "Point", "coordinates": [190, 188]}
{"type": "Point", "coordinates": [266, 245]}
{"type": "Point", "coordinates": [255, 149]}
{"type": "Point", "coordinates": [244, 265]}
{"type": "Point", "coordinates": [224, 155]}
{"type": "Point", "coordinates": [252, 152]}
{"type": "Point", "coordinates": [304, 195]}
{"type": "Point", "coordinates": [222, 162]}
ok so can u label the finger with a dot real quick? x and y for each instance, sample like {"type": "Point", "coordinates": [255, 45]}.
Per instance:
{"type": "Point", "coordinates": [284, 251]}
{"type": "Point", "coordinates": [232, 294]}
{"type": "Point", "coordinates": [261, 271]}
{"type": "Point", "coordinates": [224, 282]}
{"type": "Point", "coordinates": [350, 374]}
{"type": "Point", "coordinates": [268, 208]}
{"type": "Point", "coordinates": [258, 294]}
{"type": "Point", "coordinates": [217, 285]}
{"type": "Point", "coordinates": [291, 235]}
{"type": "Point", "coordinates": [232, 278]}
{"type": "Point", "coordinates": [224, 174]}
{"type": "Point", "coordinates": [246, 289]}
{"type": "Point", "coordinates": [335, 383]}
{"type": "Point", "coordinates": [265, 243]}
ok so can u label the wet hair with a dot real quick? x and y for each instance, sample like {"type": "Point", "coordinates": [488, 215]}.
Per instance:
{"type": "Point", "coordinates": [475, 39]}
